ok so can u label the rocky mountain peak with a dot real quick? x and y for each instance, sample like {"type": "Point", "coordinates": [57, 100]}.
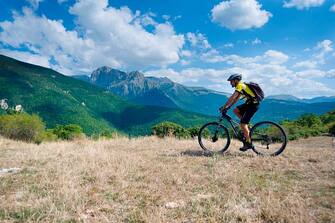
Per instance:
{"type": "Point", "coordinates": [104, 76]}
{"type": "Point", "coordinates": [136, 75]}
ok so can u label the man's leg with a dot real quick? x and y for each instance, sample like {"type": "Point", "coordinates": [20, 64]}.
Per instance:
{"type": "Point", "coordinates": [237, 113]}
{"type": "Point", "coordinates": [246, 132]}
{"type": "Point", "coordinates": [244, 127]}
{"type": "Point", "coordinates": [250, 111]}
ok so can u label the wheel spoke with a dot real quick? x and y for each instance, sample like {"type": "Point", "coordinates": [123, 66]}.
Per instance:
{"type": "Point", "coordinates": [214, 137]}
{"type": "Point", "coordinates": [268, 138]}
{"type": "Point", "coordinates": [257, 139]}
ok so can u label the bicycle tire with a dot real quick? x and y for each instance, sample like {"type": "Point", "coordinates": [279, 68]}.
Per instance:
{"type": "Point", "coordinates": [282, 131]}
{"type": "Point", "coordinates": [201, 132]}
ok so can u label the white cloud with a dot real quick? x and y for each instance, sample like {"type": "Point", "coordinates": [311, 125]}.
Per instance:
{"type": "Point", "coordinates": [34, 3]}
{"type": "Point", "coordinates": [147, 20]}
{"type": "Point", "coordinates": [331, 73]}
{"type": "Point", "coordinates": [27, 57]}
{"type": "Point", "coordinates": [108, 36]}
{"type": "Point", "coordinates": [321, 55]}
{"type": "Point", "coordinates": [169, 72]}
{"type": "Point", "coordinates": [240, 14]}
{"type": "Point", "coordinates": [212, 56]}
{"type": "Point", "coordinates": [166, 17]}
{"type": "Point", "coordinates": [323, 50]}
{"type": "Point", "coordinates": [275, 57]}
{"type": "Point", "coordinates": [256, 41]}
{"type": "Point", "coordinates": [268, 69]}
{"type": "Point", "coordinates": [303, 4]}
{"type": "Point", "coordinates": [270, 56]}
{"type": "Point", "coordinates": [197, 45]}
{"type": "Point", "coordinates": [185, 62]}
{"type": "Point", "coordinates": [124, 38]}
{"type": "Point", "coordinates": [332, 9]}
{"type": "Point", "coordinates": [274, 79]}
{"type": "Point", "coordinates": [311, 73]}
{"type": "Point", "coordinates": [198, 40]}
{"type": "Point", "coordinates": [325, 46]}
{"type": "Point", "coordinates": [306, 64]}
{"type": "Point", "coordinates": [38, 35]}
{"type": "Point", "coordinates": [307, 88]}
{"type": "Point", "coordinates": [228, 45]}
{"type": "Point", "coordinates": [186, 53]}
{"type": "Point", "coordinates": [61, 1]}
{"type": "Point", "coordinates": [194, 75]}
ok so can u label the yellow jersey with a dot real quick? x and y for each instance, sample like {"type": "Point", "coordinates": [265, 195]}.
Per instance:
{"type": "Point", "coordinates": [246, 92]}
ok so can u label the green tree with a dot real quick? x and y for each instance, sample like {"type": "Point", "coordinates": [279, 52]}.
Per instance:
{"type": "Point", "coordinates": [309, 120]}
{"type": "Point", "coordinates": [328, 117]}
{"type": "Point", "coordinates": [194, 131]}
{"type": "Point", "coordinates": [68, 132]}
{"type": "Point", "coordinates": [332, 129]}
{"type": "Point", "coordinates": [164, 129]}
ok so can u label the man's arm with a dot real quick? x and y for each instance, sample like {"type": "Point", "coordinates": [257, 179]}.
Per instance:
{"type": "Point", "coordinates": [231, 101]}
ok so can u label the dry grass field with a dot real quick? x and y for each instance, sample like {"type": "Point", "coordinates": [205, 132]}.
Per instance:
{"type": "Point", "coordinates": [165, 180]}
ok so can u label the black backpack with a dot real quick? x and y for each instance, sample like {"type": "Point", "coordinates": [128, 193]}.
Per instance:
{"type": "Point", "coordinates": [257, 90]}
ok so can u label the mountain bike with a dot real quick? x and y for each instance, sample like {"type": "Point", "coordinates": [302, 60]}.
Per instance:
{"type": "Point", "coordinates": [268, 138]}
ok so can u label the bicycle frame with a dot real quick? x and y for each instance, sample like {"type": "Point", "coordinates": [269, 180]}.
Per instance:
{"type": "Point", "coordinates": [233, 125]}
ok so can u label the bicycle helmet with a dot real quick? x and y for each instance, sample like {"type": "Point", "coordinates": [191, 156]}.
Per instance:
{"type": "Point", "coordinates": [235, 77]}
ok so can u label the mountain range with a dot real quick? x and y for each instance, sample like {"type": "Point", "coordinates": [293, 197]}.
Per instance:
{"type": "Point", "coordinates": [61, 99]}
{"type": "Point", "coordinates": [286, 97]}
{"type": "Point", "coordinates": [138, 88]}
{"type": "Point", "coordinates": [113, 100]}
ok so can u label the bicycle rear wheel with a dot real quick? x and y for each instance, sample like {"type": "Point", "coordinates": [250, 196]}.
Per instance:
{"type": "Point", "coordinates": [214, 137]}
{"type": "Point", "coordinates": [268, 138]}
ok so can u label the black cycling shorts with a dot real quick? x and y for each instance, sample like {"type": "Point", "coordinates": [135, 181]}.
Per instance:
{"type": "Point", "coordinates": [247, 111]}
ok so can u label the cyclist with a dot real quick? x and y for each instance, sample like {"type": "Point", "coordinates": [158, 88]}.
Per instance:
{"type": "Point", "coordinates": [245, 111]}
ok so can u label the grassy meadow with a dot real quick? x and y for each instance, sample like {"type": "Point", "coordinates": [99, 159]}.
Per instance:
{"type": "Point", "coordinates": [149, 179]}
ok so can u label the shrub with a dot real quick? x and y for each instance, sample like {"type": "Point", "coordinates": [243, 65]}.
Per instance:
{"type": "Point", "coordinates": [194, 131]}
{"type": "Point", "coordinates": [332, 129]}
{"type": "Point", "coordinates": [46, 136]}
{"type": "Point", "coordinates": [22, 126]}
{"type": "Point", "coordinates": [68, 132]}
{"type": "Point", "coordinates": [328, 117]}
{"type": "Point", "coordinates": [164, 129]}
{"type": "Point", "coordinates": [309, 120]}
{"type": "Point", "coordinates": [107, 134]}
{"type": "Point", "coordinates": [182, 133]}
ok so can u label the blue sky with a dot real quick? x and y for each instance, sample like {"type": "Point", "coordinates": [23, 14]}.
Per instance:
{"type": "Point", "coordinates": [286, 46]}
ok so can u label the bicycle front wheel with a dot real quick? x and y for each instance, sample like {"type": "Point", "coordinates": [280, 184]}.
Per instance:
{"type": "Point", "coordinates": [268, 138]}
{"type": "Point", "coordinates": [214, 137]}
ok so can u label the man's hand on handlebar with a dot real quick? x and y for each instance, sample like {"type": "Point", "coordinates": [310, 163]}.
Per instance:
{"type": "Point", "coordinates": [223, 110]}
